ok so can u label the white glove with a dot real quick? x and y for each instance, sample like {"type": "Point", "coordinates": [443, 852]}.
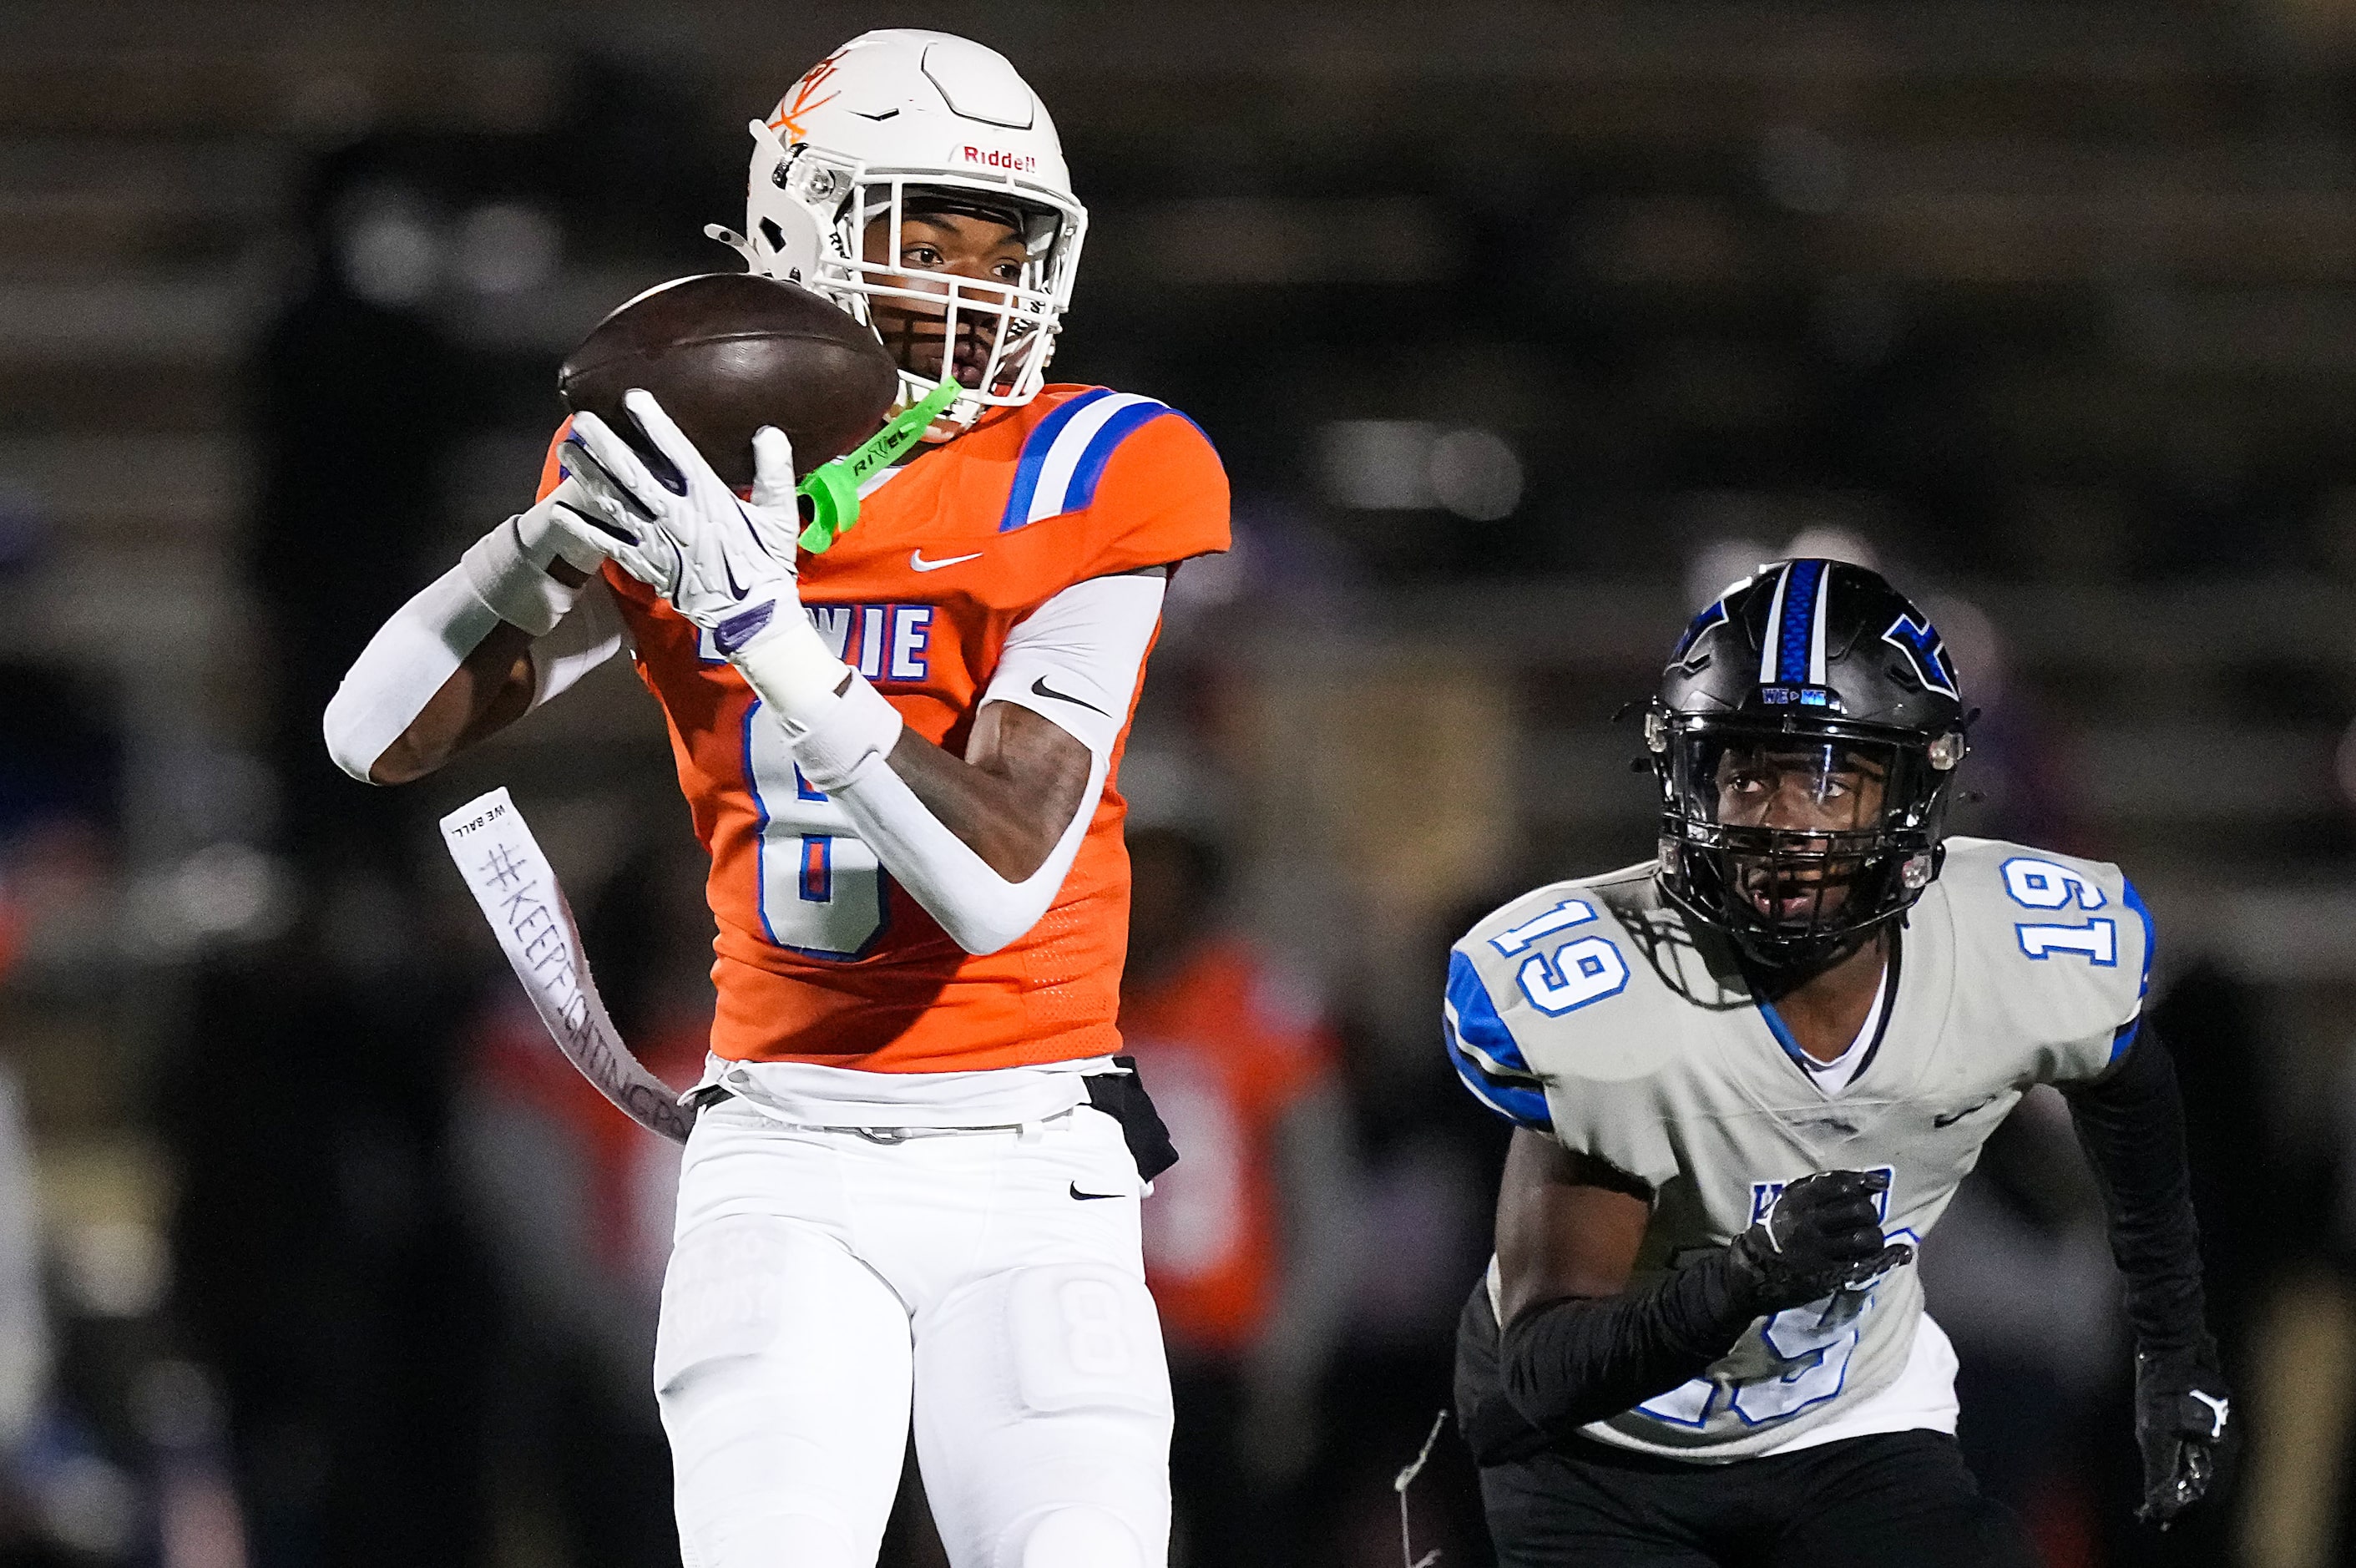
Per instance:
{"type": "Point", "coordinates": [726, 564]}
{"type": "Point", "coordinates": [508, 567]}
{"type": "Point", "coordinates": [586, 515]}
{"type": "Point", "coordinates": [545, 534]}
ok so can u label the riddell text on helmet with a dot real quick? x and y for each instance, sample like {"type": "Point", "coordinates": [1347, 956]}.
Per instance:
{"type": "Point", "coordinates": [1013, 162]}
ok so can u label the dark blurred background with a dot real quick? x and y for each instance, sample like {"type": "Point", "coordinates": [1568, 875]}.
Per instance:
{"type": "Point", "coordinates": [1522, 329]}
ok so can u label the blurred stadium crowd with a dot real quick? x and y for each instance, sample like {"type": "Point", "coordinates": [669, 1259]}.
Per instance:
{"type": "Point", "coordinates": [1521, 328]}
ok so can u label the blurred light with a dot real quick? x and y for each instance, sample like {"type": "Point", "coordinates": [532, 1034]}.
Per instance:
{"type": "Point", "coordinates": [88, 1505]}
{"type": "Point", "coordinates": [1376, 464]}
{"type": "Point", "coordinates": [1803, 169]}
{"type": "Point", "coordinates": [1827, 543]}
{"type": "Point", "coordinates": [1721, 566]}
{"type": "Point", "coordinates": [115, 1268]}
{"type": "Point", "coordinates": [387, 249]}
{"type": "Point", "coordinates": [507, 248]}
{"type": "Point", "coordinates": [224, 893]}
{"type": "Point", "coordinates": [1410, 465]}
{"type": "Point", "coordinates": [1975, 646]}
{"type": "Point", "coordinates": [1475, 475]}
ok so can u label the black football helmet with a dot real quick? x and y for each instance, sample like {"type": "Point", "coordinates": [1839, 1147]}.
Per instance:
{"type": "Point", "coordinates": [1805, 735]}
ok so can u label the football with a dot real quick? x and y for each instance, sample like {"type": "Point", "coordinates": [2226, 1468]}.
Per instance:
{"type": "Point", "coordinates": [727, 353]}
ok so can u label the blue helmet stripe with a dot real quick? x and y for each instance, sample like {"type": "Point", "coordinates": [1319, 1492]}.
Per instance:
{"type": "Point", "coordinates": [1795, 631]}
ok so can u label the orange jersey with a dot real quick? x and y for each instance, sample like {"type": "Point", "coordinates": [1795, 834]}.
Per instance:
{"type": "Point", "coordinates": [1225, 1048]}
{"type": "Point", "coordinates": [822, 957]}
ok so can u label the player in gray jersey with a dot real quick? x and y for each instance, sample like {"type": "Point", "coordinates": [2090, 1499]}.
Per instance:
{"type": "Point", "coordinates": [1746, 1078]}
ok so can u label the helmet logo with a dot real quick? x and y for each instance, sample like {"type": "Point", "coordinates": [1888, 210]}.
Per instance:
{"type": "Point", "coordinates": [791, 110]}
{"type": "Point", "coordinates": [989, 157]}
{"type": "Point", "coordinates": [1926, 652]}
{"type": "Point", "coordinates": [1714, 615]}
{"type": "Point", "coordinates": [1823, 697]}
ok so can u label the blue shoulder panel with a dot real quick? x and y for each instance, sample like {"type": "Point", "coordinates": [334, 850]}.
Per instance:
{"type": "Point", "coordinates": [2134, 900]}
{"type": "Point", "coordinates": [1485, 1053]}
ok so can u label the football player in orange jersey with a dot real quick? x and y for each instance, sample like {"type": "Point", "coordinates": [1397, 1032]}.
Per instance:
{"type": "Point", "coordinates": [916, 1165]}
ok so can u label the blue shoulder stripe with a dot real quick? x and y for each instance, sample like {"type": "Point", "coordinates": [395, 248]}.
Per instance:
{"type": "Point", "coordinates": [2127, 1031]}
{"type": "Point", "coordinates": [2134, 900]}
{"type": "Point", "coordinates": [1091, 466]}
{"type": "Point", "coordinates": [1065, 458]}
{"type": "Point", "coordinates": [1035, 457]}
{"type": "Point", "coordinates": [1486, 1057]}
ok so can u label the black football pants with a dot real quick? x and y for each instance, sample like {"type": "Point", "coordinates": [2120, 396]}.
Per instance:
{"type": "Point", "coordinates": [1896, 1501]}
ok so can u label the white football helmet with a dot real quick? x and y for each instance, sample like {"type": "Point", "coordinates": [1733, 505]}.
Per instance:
{"type": "Point", "coordinates": [899, 113]}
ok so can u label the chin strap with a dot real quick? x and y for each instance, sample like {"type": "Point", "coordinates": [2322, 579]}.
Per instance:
{"type": "Point", "coordinates": [831, 491]}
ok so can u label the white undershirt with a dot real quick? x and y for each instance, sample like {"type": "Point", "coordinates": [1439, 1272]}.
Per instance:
{"type": "Point", "coordinates": [1833, 1077]}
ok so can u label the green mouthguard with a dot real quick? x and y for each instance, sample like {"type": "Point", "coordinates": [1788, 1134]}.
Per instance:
{"type": "Point", "coordinates": [832, 488]}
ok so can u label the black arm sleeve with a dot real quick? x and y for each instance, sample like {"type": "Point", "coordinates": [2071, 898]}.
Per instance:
{"type": "Point", "coordinates": [1580, 1360]}
{"type": "Point", "coordinates": [2131, 1122]}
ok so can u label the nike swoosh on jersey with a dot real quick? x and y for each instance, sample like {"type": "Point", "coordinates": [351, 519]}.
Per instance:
{"type": "Point", "coordinates": [1085, 1197]}
{"type": "Point", "coordinates": [916, 561]}
{"type": "Point", "coordinates": [1952, 1117]}
{"type": "Point", "coordinates": [1039, 688]}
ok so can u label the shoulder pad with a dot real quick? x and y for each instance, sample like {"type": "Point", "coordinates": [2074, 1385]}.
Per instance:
{"type": "Point", "coordinates": [1552, 987]}
{"type": "Point", "coordinates": [2063, 945]}
{"type": "Point", "coordinates": [1562, 1015]}
{"type": "Point", "coordinates": [1066, 453]}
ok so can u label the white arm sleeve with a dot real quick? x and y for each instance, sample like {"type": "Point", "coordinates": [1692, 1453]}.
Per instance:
{"type": "Point", "coordinates": [583, 640]}
{"type": "Point", "coordinates": [401, 668]}
{"type": "Point", "coordinates": [1075, 660]}
{"type": "Point", "coordinates": [417, 651]}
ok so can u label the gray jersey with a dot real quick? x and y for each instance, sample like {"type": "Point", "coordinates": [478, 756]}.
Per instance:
{"type": "Point", "coordinates": [1599, 1015]}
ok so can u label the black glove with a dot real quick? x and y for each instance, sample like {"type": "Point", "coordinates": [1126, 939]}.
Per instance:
{"type": "Point", "coordinates": [1823, 1231]}
{"type": "Point", "coordinates": [2181, 1403]}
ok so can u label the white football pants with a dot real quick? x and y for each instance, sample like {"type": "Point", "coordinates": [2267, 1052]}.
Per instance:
{"type": "Point", "coordinates": [818, 1277]}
